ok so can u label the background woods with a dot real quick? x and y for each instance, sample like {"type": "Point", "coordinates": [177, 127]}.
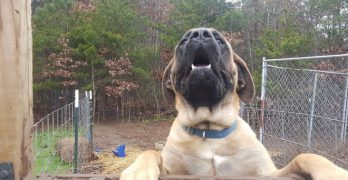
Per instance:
{"type": "Point", "coordinates": [119, 48]}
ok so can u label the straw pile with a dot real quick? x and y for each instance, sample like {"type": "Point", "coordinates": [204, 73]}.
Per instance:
{"type": "Point", "coordinates": [115, 165]}
{"type": "Point", "coordinates": [65, 149]}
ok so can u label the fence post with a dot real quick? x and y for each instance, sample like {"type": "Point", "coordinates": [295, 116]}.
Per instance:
{"type": "Point", "coordinates": [52, 122]}
{"type": "Point", "coordinates": [76, 129]}
{"type": "Point", "coordinates": [48, 123]}
{"type": "Point", "coordinates": [310, 127]}
{"type": "Point", "coordinates": [345, 115]}
{"type": "Point", "coordinates": [90, 116]}
{"type": "Point", "coordinates": [87, 116]}
{"type": "Point", "coordinates": [262, 100]}
{"type": "Point", "coordinates": [16, 92]}
{"type": "Point", "coordinates": [283, 126]}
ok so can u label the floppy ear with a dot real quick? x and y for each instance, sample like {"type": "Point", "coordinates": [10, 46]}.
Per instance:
{"type": "Point", "coordinates": [167, 86]}
{"type": "Point", "coordinates": [245, 84]}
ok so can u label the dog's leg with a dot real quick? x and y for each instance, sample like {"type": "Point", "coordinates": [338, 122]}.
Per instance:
{"type": "Point", "coordinates": [314, 167]}
{"type": "Point", "coordinates": [145, 167]}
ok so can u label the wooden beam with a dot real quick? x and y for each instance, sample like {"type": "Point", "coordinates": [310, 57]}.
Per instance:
{"type": "Point", "coordinates": [170, 177]}
{"type": "Point", "coordinates": [16, 116]}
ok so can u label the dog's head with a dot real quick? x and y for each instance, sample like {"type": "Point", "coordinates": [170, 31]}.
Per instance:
{"type": "Point", "coordinates": [205, 77]}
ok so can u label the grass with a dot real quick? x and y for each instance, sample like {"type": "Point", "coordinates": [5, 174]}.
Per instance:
{"type": "Point", "coordinates": [46, 159]}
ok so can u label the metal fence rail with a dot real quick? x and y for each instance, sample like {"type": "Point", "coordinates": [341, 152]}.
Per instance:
{"type": "Point", "coordinates": [303, 107]}
{"type": "Point", "coordinates": [57, 126]}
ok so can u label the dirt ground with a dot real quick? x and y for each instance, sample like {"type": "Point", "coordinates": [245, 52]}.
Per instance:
{"type": "Point", "coordinates": [143, 135]}
{"type": "Point", "coordinates": [137, 136]}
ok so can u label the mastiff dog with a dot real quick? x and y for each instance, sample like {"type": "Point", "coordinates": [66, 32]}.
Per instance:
{"type": "Point", "coordinates": [207, 80]}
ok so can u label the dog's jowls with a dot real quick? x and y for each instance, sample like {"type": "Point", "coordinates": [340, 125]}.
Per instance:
{"type": "Point", "coordinates": [206, 80]}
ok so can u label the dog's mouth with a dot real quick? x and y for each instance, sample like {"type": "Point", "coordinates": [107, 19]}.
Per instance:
{"type": "Point", "coordinates": [204, 83]}
{"type": "Point", "coordinates": [200, 62]}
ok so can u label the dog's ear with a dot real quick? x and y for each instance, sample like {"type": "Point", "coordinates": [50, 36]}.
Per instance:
{"type": "Point", "coordinates": [245, 84]}
{"type": "Point", "coordinates": [167, 85]}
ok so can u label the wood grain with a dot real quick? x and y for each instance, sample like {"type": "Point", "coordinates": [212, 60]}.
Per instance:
{"type": "Point", "coordinates": [171, 177]}
{"type": "Point", "coordinates": [16, 86]}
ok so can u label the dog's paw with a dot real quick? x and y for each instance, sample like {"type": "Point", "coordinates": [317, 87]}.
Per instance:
{"type": "Point", "coordinates": [140, 172]}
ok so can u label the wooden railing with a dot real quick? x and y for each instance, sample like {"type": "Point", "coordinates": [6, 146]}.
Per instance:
{"type": "Point", "coordinates": [171, 177]}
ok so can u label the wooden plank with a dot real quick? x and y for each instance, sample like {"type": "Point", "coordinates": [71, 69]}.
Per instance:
{"type": "Point", "coordinates": [170, 177]}
{"type": "Point", "coordinates": [16, 86]}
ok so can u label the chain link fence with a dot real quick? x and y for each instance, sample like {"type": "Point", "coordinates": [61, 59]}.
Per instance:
{"type": "Point", "coordinates": [54, 138]}
{"type": "Point", "coordinates": [303, 108]}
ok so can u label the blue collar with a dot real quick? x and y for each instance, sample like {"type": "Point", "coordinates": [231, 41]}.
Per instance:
{"type": "Point", "coordinates": [211, 134]}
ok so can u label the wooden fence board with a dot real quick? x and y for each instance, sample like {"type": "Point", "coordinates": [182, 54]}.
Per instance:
{"type": "Point", "coordinates": [171, 177]}
{"type": "Point", "coordinates": [16, 86]}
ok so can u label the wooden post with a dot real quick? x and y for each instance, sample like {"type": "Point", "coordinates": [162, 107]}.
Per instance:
{"type": "Point", "coordinates": [16, 102]}
{"type": "Point", "coordinates": [168, 177]}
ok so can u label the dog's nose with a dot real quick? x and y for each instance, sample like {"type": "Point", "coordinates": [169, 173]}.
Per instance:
{"type": "Point", "coordinates": [200, 34]}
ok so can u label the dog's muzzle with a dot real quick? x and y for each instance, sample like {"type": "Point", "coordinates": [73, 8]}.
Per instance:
{"type": "Point", "coordinates": [202, 77]}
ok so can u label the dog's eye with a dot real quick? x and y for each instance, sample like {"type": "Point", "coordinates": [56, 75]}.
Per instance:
{"type": "Point", "coordinates": [182, 42]}
{"type": "Point", "coordinates": [220, 41]}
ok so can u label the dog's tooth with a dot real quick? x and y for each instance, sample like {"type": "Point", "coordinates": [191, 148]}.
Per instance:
{"type": "Point", "coordinates": [209, 66]}
{"type": "Point", "coordinates": [193, 66]}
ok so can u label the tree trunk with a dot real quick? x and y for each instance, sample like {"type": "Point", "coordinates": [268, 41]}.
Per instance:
{"type": "Point", "coordinates": [156, 99]}
{"type": "Point", "coordinates": [16, 117]}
